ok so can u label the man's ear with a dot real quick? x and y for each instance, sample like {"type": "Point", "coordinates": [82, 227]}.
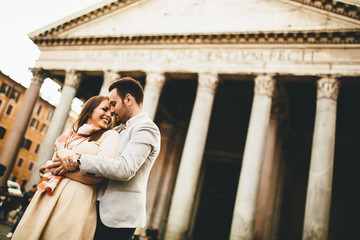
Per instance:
{"type": "Point", "coordinates": [128, 99]}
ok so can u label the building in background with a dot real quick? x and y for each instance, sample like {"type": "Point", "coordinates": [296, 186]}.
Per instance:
{"type": "Point", "coordinates": [256, 100]}
{"type": "Point", "coordinates": [11, 96]}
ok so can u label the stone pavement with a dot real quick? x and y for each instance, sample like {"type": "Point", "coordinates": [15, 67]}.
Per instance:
{"type": "Point", "coordinates": [4, 230]}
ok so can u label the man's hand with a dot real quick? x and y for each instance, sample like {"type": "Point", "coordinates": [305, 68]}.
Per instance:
{"type": "Point", "coordinates": [65, 160]}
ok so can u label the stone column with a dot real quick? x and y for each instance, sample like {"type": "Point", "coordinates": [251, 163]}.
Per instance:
{"type": "Point", "coordinates": [72, 82]}
{"type": "Point", "coordinates": [18, 129]}
{"type": "Point", "coordinates": [152, 91]}
{"type": "Point", "coordinates": [189, 169]}
{"type": "Point", "coordinates": [317, 209]}
{"type": "Point", "coordinates": [247, 194]}
{"type": "Point", "coordinates": [275, 225]}
{"type": "Point", "coordinates": [280, 160]}
{"type": "Point", "coordinates": [109, 77]}
{"type": "Point", "coordinates": [269, 173]}
{"type": "Point", "coordinates": [158, 172]}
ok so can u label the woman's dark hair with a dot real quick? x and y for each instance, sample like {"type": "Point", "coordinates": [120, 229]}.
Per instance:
{"type": "Point", "coordinates": [129, 85]}
{"type": "Point", "coordinates": [86, 112]}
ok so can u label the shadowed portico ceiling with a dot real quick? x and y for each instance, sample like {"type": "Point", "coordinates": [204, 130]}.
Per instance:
{"type": "Point", "coordinates": [70, 31]}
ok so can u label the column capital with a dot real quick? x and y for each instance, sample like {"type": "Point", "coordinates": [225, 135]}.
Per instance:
{"type": "Point", "coordinates": [155, 80]}
{"type": "Point", "coordinates": [265, 85]}
{"type": "Point", "coordinates": [39, 75]}
{"type": "Point", "coordinates": [328, 87]}
{"type": "Point", "coordinates": [110, 76]}
{"type": "Point", "coordinates": [208, 82]}
{"type": "Point", "coordinates": [72, 78]}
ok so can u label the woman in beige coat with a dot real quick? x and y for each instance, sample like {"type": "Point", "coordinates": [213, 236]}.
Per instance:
{"type": "Point", "coordinates": [66, 208]}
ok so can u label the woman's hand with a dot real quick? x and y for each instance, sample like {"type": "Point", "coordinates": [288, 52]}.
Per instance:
{"type": "Point", "coordinates": [45, 168]}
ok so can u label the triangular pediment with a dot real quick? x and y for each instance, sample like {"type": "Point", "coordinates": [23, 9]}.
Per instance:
{"type": "Point", "coordinates": [156, 17]}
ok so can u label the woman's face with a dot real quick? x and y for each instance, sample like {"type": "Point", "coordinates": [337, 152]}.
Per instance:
{"type": "Point", "coordinates": [101, 116]}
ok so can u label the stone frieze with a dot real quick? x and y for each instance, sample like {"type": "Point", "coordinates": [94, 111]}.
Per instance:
{"type": "Point", "coordinates": [345, 36]}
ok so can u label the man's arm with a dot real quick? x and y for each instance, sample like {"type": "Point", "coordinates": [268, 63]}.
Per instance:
{"type": "Point", "coordinates": [66, 160]}
{"type": "Point", "coordinates": [50, 166]}
{"type": "Point", "coordinates": [144, 143]}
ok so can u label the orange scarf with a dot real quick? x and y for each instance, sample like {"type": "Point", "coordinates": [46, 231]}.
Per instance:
{"type": "Point", "coordinates": [69, 140]}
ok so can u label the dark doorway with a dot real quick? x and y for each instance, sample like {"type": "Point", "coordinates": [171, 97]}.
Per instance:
{"type": "Point", "coordinates": [217, 200]}
{"type": "Point", "coordinates": [177, 100]}
{"type": "Point", "coordinates": [302, 107]}
{"type": "Point", "coordinates": [345, 208]}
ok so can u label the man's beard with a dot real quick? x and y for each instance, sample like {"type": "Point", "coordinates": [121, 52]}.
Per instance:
{"type": "Point", "coordinates": [121, 119]}
{"type": "Point", "coordinates": [117, 120]}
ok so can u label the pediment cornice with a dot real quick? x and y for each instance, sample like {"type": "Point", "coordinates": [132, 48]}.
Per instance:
{"type": "Point", "coordinates": [85, 18]}
{"type": "Point", "coordinates": [336, 7]}
{"type": "Point", "coordinates": [343, 8]}
{"type": "Point", "coordinates": [345, 36]}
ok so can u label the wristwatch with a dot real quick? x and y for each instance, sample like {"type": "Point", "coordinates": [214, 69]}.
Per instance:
{"type": "Point", "coordinates": [78, 160]}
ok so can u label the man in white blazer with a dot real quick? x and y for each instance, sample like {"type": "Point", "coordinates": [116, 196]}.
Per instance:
{"type": "Point", "coordinates": [122, 199]}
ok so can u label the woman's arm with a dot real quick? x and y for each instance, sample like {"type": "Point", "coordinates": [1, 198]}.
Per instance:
{"type": "Point", "coordinates": [77, 176]}
{"type": "Point", "coordinates": [108, 148]}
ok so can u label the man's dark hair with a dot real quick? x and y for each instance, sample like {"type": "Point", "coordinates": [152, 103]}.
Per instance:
{"type": "Point", "coordinates": [129, 85]}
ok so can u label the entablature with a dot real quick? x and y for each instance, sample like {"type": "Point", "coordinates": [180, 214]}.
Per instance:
{"type": "Point", "coordinates": [345, 36]}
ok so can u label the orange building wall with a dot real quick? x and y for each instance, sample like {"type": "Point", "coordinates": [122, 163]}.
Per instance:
{"type": "Point", "coordinates": [22, 172]}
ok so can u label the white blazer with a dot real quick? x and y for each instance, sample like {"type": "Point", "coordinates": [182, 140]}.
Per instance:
{"type": "Point", "coordinates": [123, 202]}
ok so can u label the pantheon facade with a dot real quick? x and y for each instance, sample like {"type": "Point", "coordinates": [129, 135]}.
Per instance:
{"type": "Point", "coordinates": [257, 102]}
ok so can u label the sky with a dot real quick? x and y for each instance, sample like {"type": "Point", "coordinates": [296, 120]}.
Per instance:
{"type": "Point", "coordinates": [18, 52]}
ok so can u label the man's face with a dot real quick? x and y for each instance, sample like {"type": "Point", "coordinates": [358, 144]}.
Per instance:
{"type": "Point", "coordinates": [118, 108]}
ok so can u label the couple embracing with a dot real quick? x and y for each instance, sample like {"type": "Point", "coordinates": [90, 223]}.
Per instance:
{"type": "Point", "coordinates": [95, 185]}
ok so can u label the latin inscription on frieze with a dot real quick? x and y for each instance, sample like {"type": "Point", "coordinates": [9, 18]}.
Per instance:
{"type": "Point", "coordinates": [227, 56]}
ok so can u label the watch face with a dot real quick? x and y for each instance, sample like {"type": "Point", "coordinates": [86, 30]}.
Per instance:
{"type": "Point", "coordinates": [78, 159]}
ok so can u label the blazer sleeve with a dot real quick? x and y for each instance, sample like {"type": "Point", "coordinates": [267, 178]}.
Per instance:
{"type": "Point", "coordinates": [144, 144]}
